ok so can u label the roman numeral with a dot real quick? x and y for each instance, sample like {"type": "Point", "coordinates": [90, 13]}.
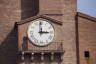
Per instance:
{"type": "Point", "coordinates": [51, 32]}
{"type": "Point", "coordinates": [50, 37]}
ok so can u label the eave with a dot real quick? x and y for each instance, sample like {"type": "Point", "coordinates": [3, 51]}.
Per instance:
{"type": "Point", "coordinates": [79, 14]}
{"type": "Point", "coordinates": [37, 17]}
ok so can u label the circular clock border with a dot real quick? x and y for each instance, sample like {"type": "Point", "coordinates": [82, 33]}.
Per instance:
{"type": "Point", "coordinates": [30, 41]}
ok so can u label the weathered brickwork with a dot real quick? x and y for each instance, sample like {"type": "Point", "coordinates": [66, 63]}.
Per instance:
{"type": "Point", "coordinates": [69, 11]}
{"type": "Point", "coordinates": [9, 14]}
{"type": "Point", "coordinates": [66, 11]}
{"type": "Point", "coordinates": [87, 39]}
{"type": "Point", "coordinates": [12, 11]}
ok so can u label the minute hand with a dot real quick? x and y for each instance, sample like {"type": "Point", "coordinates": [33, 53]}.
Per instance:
{"type": "Point", "coordinates": [40, 27]}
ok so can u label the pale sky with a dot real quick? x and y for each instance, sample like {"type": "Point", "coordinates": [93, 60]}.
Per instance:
{"type": "Point", "coordinates": [87, 7]}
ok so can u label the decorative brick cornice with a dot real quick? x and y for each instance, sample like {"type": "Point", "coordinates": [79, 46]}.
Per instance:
{"type": "Point", "coordinates": [37, 17]}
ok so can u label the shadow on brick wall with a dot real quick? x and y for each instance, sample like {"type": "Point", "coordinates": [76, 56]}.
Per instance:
{"type": "Point", "coordinates": [29, 8]}
{"type": "Point", "coordinates": [8, 49]}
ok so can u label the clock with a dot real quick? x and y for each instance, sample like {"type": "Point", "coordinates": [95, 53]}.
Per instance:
{"type": "Point", "coordinates": [40, 32]}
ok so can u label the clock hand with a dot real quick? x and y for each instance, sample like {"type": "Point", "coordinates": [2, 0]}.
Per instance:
{"type": "Point", "coordinates": [40, 28]}
{"type": "Point", "coordinates": [43, 32]}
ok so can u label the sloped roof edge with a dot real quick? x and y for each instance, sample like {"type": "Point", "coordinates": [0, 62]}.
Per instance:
{"type": "Point", "coordinates": [86, 16]}
{"type": "Point", "coordinates": [36, 17]}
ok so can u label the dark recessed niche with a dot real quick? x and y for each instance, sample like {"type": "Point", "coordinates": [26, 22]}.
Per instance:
{"type": "Point", "coordinates": [86, 54]}
{"type": "Point", "coordinates": [29, 8]}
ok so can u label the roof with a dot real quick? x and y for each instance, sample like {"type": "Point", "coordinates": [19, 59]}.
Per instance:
{"type": "Point", "coordinates": [86, 16]}
{"type": "Point", "coordinates": [37, 17]}
{"type": "Point", "coordinates": [79, 14]}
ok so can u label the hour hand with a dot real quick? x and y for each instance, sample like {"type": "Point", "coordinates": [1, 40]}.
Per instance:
{"type": "Point", "coordinates": [43, 32]}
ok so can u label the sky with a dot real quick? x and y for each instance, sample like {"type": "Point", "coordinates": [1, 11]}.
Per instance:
{"type": "Point", "coordinates": [87, 6]}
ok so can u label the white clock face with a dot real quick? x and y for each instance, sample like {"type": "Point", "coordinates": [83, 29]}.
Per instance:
{"type": "Point", "coordinates": [41, 32]}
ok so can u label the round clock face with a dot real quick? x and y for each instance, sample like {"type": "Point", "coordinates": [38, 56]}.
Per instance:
{"type": "Point", "coordinates": [41, 32]}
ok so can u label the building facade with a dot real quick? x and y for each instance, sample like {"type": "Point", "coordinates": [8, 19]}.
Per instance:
{"type": "Point", "coordinates": [75, 31]}
{"type": "Point", "coordinates": [86, 39]}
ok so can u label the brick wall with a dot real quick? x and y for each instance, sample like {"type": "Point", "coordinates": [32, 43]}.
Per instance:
{"type": "Point", "coordinates": [12, 11]}
{"type": "Point", "coordinates": [87, 40]}
{"type": "Point", "coordinates": [65, 11]}
{"type": "Point", "coordinates": [69, 11]}
{"type": "Point", "coordinates": [15, 10]}
{"type": "Point", "coordinates": [9, 14]}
